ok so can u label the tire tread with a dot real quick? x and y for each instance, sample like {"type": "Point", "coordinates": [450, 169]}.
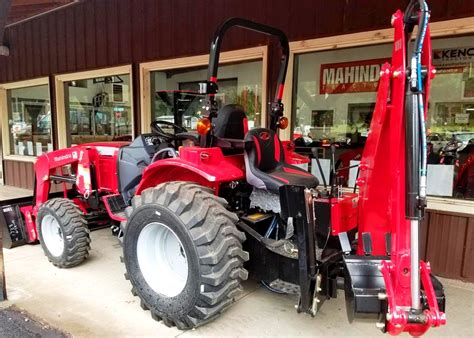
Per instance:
{"type": "Point", "coordinates": [218, 243]}
{"type": "Point", "coordinates": [75, 230]}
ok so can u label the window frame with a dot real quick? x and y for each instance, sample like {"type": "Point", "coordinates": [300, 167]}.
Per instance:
{"type": "Point", "coordinates": [4, 120]}
{"type": "Point", "coordinates": [239, 55]}
{"type": "Point", "coordinates": [60, 81]}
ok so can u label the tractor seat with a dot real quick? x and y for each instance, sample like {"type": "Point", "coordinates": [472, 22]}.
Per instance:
{"type": "Point", "coordinates": [265, 163]}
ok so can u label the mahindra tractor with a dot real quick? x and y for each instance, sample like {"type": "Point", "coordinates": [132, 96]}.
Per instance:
{"type": "Point", "coordinates": [199, 211]}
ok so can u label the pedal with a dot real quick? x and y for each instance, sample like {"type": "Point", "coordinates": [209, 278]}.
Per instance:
{"type": "Point", "coordinates": [286, 287]}
{"type": "Point", "coordinates": [115, 206]}
{"type": "Point", "coordinates": [388, 243]}
{"type": "Point", "coordinates": [116, 203]}
{"type": "Point", "coordinates": [367, 243]}
{"type": "Point", "coordinates": [256, 217]}
{"type": "Point", "coordinates": [345, 244]}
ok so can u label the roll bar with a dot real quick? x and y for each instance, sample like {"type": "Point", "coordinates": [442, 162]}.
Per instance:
{"type": "Point", "coordinates": [210, 87]}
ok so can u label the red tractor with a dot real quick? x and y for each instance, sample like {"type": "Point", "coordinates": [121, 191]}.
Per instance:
{"type": "Point", "coordinates": [200, 212]}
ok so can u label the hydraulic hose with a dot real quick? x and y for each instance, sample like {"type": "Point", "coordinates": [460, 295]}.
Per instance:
{"type": "Point", "coordinates": [416, 127]}
{"type": "Point", "coordinates": [416, 13]}
{"type": "Point", "coordinates": [422, 28]}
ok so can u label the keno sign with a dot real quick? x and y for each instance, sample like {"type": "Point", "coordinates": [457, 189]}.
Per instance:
{"type": "Point", "coordinates": [350, 77]}
{"type": "Point", "coordinates": [449, 57]}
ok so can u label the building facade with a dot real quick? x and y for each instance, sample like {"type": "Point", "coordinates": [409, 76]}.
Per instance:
{"type": "Point", "coordinates": [103, 70]}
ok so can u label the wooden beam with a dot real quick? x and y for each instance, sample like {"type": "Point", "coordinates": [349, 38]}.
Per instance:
{"type": "Point", "coordinates": [38, 2]}
{"type": "Point", "coordinates": [24, 9]}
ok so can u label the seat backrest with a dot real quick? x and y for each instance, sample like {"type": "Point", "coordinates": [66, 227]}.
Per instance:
{"type": "Point", "coordinates": [231, 122]}
{"type": "Point", "coordinates": [264, 149]}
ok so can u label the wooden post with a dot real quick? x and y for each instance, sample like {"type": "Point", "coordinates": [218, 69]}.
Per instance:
{"type": "Point", "coordinates": [3, 286]}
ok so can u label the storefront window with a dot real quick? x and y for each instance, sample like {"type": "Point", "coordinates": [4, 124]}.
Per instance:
{"type": "Point", "coordinates": [99, 109]}
{"type": "Point", "coordinates": [334, 97]}
{"type": "Point", "coordinates": [175, 97]}
{"type": "Point", "coordinates": [29, 118]}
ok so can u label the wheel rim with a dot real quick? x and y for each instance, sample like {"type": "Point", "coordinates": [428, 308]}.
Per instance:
{"type": "Point", "coordinates": [162, 259]}
{"type": "Point", "coordinates": [52, 235]}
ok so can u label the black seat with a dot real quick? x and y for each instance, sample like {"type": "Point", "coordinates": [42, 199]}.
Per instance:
{"type": "Point", "coordinates": [230, 127]}
{"type": "Point", "coordinates": [231, 122]}
{"type": "Point", "coordinates": [265, 163]}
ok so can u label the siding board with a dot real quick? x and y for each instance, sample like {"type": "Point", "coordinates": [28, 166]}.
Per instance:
{"type": "Point", "coordinates": [21, 55]}
{"type": "Point", "coordinates": [449, 246]}
{"type": "Point", "coordinates": [101, 34]}
{"type": "Point", "coordinates": [163, 15]}
{"type": "Point", "coordinates": [70, 38]}
{"type": "Point", "coordinates": [124, 31]}
{"type": "Point", "coordinates": [79, 32]}
{"type": "Point", "coordinates": [150, 33]}
{"type": "Point", "coordinates": [468, 263]}
{"type": "Point", "coordinates": [61, 46]}
{"type": "Point", "coordinates": [36, 46]}
{"type": "Point", "coordinates": [29, 51]}
{"type": "Point", "coordinates": [112, 36]}
{"type": "Point", "coordinates": [90, 36]}
{"type": "Point", "coordinates": [52, 39]}
{"type": "Point", "coordinates": [10, 70]}
{"type": "Point", "coordinates": [138, 31]}
{"type": "Point", "coordinates": [44, 46]}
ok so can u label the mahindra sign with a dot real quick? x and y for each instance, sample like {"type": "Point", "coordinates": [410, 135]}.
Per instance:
{"type": "Point", "coordinates": [350, 77]}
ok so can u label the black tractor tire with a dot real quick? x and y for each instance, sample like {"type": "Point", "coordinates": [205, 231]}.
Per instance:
{"type": "Point", "coordinates": [212, 246]}
{"type": "Point", "coordinates": [72, 229]}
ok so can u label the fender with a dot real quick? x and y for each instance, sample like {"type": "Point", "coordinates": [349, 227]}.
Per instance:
{"type": "Point", "coordinates": [205, 166]}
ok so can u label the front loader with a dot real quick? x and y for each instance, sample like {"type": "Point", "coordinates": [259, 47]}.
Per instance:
{"type": "Point", "coordinates": [199, 211]}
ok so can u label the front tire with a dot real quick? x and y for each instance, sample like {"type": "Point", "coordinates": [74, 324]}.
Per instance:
{"type": "Point", "coordinates": [63, 232]}
{"type": "Point", "coordinates": [183, 253]}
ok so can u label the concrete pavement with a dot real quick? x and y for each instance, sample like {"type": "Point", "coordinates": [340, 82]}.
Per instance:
{"type": "Point", "coordinates": [9, 192]}
{"type": "Point", "coordinates": [94, 299]}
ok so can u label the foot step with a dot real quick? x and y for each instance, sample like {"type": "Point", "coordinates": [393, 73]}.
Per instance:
{"type": "Point", "coordinates": [286, 287]}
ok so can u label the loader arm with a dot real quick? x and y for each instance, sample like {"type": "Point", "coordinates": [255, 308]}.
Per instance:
{"type": "Point", "coordinates": [49, 167]}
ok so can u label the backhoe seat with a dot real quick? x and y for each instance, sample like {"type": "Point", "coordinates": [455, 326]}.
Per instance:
{"type": "Point", "coordinates": [231, 124]}
{"type": "Point", "coordinates": [265, 163]}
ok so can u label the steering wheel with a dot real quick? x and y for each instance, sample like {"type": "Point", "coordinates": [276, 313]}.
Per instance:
{"type": "Point", "coordinates": [157, 130]}
{"type": "Point", "coordinates": [452, 146]}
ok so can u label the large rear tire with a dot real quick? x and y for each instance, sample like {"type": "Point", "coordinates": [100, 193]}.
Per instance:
{"type": "Point", "coordinates": [183, 253]}
{"type": "Point", "coordinates": [63, 232]}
